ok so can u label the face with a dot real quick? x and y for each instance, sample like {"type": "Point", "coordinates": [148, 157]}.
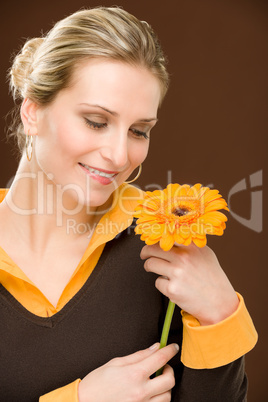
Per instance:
{"type": "Point", "coordinates": [96, 132]}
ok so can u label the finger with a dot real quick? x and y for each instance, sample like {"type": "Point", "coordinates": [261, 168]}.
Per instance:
{"type": "Point", "coordinates": [163, 285]}
{"type": "Point", "coordinates": [168, 370]}
{"type": "Point", "coordinates": [158, 266]}
{"type": "Point", "coordinates": [140, 355]}
{"type": "Point", "coordinates": [164, 382]}
{"type": "Point", "coordinates": [154, 251]}
{"type": "Point", "coordinates": [165, 397]}
{"type": "Point", "coordinates": [170, 256]}
{"type": "Point", "coordinates": [185, 248]}
{"type": "Point", "coordinates": [159, 359]}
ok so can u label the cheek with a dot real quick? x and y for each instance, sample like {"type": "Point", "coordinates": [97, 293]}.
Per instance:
{"type": "Point", "coordinates": [67, 143]}
{"type": "Point", "coordinates": [66, 140]}
{"type": "Point", "coordinates": [139, 153]}
{"type": "Point", "coordinates": [55, 147]}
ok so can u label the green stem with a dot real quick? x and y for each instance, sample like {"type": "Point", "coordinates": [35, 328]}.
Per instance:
{"type": "Point", "coordinates": [165, 331]}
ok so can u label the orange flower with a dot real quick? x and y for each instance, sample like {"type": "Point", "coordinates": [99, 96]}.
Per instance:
{"type": "Point", "coordinates": [180, 214]}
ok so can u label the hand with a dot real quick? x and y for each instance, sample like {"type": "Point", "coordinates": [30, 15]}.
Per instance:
{"type": "Point", "coordinates": [127, 379]}
{"type": "Point", "coordinates": [192, 278]}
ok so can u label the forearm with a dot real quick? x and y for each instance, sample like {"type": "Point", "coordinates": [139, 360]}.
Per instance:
{"type": "Point", "coordinates": [226, 383]}
{"type": "Point", "coordinates": [209, 380]}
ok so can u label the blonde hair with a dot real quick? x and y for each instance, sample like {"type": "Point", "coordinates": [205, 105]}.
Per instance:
{"type": "Point", "coordinates": [45, 65]}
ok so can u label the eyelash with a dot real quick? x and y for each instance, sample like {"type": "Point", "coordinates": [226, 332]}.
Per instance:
{"type": "Point", "coordinates": [94, 125]}
{"type": "Point", "coordinates": [139, 133]}
{"type": "Point", "coordinates": [98, 126]}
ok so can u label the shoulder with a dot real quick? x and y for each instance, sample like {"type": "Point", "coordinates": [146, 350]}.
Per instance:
{"type": "Point", "coordinates": [128, 241]}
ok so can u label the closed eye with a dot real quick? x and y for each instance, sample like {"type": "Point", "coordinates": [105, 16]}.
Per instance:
{"type": "Point", "coordinates": [97, 126]}
{"type": "Point", "coordinates": [94, 125]}
{"type": "Point", "coordinates": [139, 133]}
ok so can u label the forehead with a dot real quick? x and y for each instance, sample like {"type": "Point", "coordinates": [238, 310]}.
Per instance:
{"type": "Point", "coordinates": [115, 84]}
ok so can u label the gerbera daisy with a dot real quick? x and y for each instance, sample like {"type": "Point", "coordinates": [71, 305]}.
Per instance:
{"type": "Point", "coordinates": [180, 214]}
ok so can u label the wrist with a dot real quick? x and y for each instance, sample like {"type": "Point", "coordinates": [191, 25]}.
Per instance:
{"type": "Point", "coordinates": [224, 310]}
{"type": "Point", "coordinates": [81, 392]}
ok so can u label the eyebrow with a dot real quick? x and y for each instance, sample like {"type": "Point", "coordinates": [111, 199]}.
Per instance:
{"type": "Point", "coordinates": [116, 114]}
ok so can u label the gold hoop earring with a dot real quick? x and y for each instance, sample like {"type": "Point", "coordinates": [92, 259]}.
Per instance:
{"type": "Point", "coordinates": [136, 177]}
{"type": "Point", "coordinates": [29, 146]}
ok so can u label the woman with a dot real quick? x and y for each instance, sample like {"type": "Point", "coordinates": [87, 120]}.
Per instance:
{"type": "Point", "coordinates": [78, 310]}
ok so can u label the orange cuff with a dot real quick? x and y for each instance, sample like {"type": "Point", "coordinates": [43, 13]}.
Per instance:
{"type": "Point", "coordinates": [68, 393]}
{"type": "Point", "coordinates": [216, 345]}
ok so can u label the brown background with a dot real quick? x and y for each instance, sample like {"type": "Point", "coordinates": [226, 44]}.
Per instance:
{"type": "Point", "coordinates": [212, 124]}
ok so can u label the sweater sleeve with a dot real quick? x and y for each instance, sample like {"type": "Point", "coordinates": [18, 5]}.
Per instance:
{"type": "Point", "coordinates": [221, 384]}
{"type": "Point", "coordinates": [212, 346]}
{"type": "Point", "coordinates": [68, 393]}
{"type": "Point", "coordinates": [228, 380]}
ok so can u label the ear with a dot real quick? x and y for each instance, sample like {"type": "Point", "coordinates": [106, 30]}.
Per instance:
{"type": "Point", "coordinates": [29, 116]}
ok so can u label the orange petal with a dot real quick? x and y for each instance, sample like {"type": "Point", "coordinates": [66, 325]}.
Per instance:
{"type": "Point", "coordinates": [157, 232]}
{"type": "Point", "coordinates": [214, 217]}
{"type": "Point", "coordinates": [146, 218]}
{"type": "Point", "coordinates": [139, 230]}
{"type": "Point", "coordinates": [171, 226]}
{"type": "Point", "coordinates": [143, 237]}
{"type": "Point", "coordinates": [211, 195]}
{"type": "Point", "coordinates": [151, 205]}
{"type": "Point", "coordinates": [200, 242]}
{"type": "Point", "coordinates": [214, 230]}
{"type": "Point", "coordinates": [188, 241]}
{"type": "Point", "coordinates": [202, 191]}
{"type": "Point", "coordinates": [184, 231]}
{"type": "Point", "coordinates": [144, 228]}
{"type": "Point", "coordinates": [178, 239]}
{"type": "Point", "coordinates": [155, 193]}
{"type": "Point", "coordinates": [177, 192]}
{"type": "Point", "coordinates": [166, 242]}
{"type": "Point", "coordinates": [172, 190]}
{"type": "Point", "coordinates": [215, 205]}
{"type": "Point", "coordinates": [198, 227]}
{"type": "Point", "coordinates": [149, 241]}
{"type": "Point", "coordinates": [197, 186]}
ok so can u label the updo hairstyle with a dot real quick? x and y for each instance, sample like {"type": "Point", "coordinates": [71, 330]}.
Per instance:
{"type": "Point", "coordinates": [45, 65]}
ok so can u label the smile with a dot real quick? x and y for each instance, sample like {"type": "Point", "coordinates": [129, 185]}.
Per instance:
{"type": "Point", "coordinates": [106, 177]}
{"type": "Point", "coordinates": [98, 172]}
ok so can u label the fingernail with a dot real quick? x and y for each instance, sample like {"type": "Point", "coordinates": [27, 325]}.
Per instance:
{"type": "Point", "coordinates": [176, 347]}
{"type": "Point", "coordinates": [154, 346]}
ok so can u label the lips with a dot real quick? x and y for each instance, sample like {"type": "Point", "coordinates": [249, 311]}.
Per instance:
{"type": "Point", "coordinates": [103, 176]}
{"type": "Point", "coordinates": [99, 172]}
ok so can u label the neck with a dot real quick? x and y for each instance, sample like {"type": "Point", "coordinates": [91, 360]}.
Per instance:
{"type": "Point", "coordinates": [42, 214]}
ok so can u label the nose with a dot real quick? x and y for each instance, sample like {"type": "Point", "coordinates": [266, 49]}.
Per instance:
{"type": "Point", "coordinates": [115, 150]}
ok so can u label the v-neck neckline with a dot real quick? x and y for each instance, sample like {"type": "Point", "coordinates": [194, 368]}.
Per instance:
{"type": "Point", "coordinates": [50, 322]}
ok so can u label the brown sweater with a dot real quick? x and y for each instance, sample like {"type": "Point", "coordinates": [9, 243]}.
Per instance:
{"type": "Point", "coordinates": [117, 312]}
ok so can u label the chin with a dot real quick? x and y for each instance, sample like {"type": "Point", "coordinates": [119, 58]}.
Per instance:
{"type": "Point", "coordinates": [95, 200]}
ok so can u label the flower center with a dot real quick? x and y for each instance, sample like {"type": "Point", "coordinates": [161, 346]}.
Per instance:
{"type": "Point", "coordinates": [180, 211]}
